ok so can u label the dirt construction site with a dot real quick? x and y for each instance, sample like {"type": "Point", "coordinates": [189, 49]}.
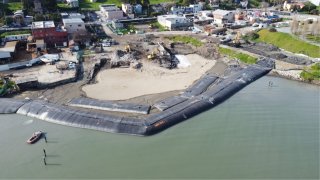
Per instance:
{"type": "Point", "coordinates": [139, 69]}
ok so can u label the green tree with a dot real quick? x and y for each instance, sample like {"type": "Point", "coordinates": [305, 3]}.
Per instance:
{"type": "Point", "coordinates": [185, 2]}
{"type": "Point", "coordinates": [51, 5]}
{"type": "Point", "coordinates": [39, 17]}
{"type": "Point", "coordinates": [145, 3]}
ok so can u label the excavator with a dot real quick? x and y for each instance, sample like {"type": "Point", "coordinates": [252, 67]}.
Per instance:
{"type": "Point", "coordinates": [127, 48]}
{"type": "Point", "coordinates": [153, 54]}
{"type": "Point", "coordinates": [236, 40]}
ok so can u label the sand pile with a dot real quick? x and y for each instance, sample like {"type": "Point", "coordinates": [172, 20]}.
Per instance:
{"type": "Point", "coordinates": [121, 84]}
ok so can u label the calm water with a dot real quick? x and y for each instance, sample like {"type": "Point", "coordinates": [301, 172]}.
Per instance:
{"type": "Point", "coordinates": [260, 132]}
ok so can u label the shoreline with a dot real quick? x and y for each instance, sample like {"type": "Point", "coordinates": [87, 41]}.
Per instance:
{"type": "Point", "coordinates": [276, 74]}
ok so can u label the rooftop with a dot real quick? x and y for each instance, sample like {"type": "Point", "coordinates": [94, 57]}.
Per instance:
{"type": "Point", "coordinates": [221, 12]}
{"type": "Point", "coordinates": [109, 7]}
{"type": "Point", "coordinates": [9, 47]}
{"type": "Point", "coordinates": [171, 16]}
{"type": "Point", "coordinates": [73, 20]}
{"type": "Point", "coordinates": [42, 24]}
{"type": "Point", "coordinates": [4, 55]}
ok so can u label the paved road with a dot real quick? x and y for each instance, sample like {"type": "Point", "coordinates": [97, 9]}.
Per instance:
{"type": "Point", "coordinates": [14, 29]}
{"type": "Point", "coordinates": [170, 33]}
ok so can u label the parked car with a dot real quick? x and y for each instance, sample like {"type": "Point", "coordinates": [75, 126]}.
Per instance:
{"type": "Point", "coordinates": [225, 39]}
{"type": "Point", "coordinates": [255, 24]}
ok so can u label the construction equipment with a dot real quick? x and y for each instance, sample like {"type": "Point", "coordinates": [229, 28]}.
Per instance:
{"type": "Point", "coordinates": [236, 40]}
{"type": "Point", "coordinates": [153, 54]}
{"type": "Point", "coordinates": [127, 48]}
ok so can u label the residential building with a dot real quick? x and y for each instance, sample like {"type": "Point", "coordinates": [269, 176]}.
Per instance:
{"type": "Point", "coordinates": [72, 15]}
{"type": "Point", "coordinates": [111, 12]}
{"type": "Point", "coordinates": [127, 8]}
{"type": "Point", "coordinates": [181, 10]}
{"type": "Point", "coordinates": [73, 3]}
{"type": "Point", "coordinates": [18, 18]}
{"type": "Point", "coordinates": [205, 17]}
{"type": "Point", "coordinates": [223, 16]}
{"type": "Point", "coordinates": [175, 22]}
{"type": "Point", "coordinates": [7, 52]}
{"type": "Point", "coordinates": [196, 7]}
{"type": "Point", "coordinates": [47, 31]}
{"type": "Point", "coordinates": [73, 25]}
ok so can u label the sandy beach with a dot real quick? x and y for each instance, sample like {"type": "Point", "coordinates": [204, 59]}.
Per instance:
{"type": "Point", "coordinates": [126, 83]}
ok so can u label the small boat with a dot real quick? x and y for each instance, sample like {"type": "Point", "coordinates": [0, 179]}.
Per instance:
{"type": "Point", "coordinates": [35, 137]}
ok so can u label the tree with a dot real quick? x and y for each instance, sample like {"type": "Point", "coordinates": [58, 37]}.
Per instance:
{"type": "Point", "coordinates": [185, 2]}
{"type": "Point", "coordinates": [145, 3]}
{"type": "Point", "coordinates": [26, 4]}
{"type": "Point", "coordinates": [39, 17]}
{"type": "Point", "coordinates": [51, 5]}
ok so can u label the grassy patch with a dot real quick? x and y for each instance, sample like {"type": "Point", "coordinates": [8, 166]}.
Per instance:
{"type": "Point", "coordinates": [14, 33]}
{"type": "Point", "coordinates": [129, 30]}
{"type": "Point", "coordinates": [312, 73]}
{"type": "Point", "coordinates": [289, 43]}
{"type": "Point", "coordinates": [89, 5]}
{"type": "Point", "coordinates": [63, 6]}
{"type": "Point", "coordinates": [254, 3]}
{"type": "Point", "coordinates": [242, 57]}
{"type": "Point", "coordinates": [161, 1]}
{"type": "Point", "coordinates": [9, 8]}
{"type": "Point", "coordinates": [14, 6]}
{"type": "Point", "coordinates": [186, 39]}
{"type": "Point", "coordinates": [313, 38]}
{"type": "Point", "coordinates": [158, 26]}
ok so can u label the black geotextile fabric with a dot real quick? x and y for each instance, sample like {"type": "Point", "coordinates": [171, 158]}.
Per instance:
{"type": "Point", "coordinates": [110, 105]}
{"type": "Point", "coordinates": [9, 106]}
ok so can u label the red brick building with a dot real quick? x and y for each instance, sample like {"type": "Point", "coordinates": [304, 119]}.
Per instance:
{"type": "Point", "coordinates": [47, 31]}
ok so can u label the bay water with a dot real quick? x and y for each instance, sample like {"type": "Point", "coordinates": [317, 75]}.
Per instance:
{"type": "Point", "coordinates": [261, 132]}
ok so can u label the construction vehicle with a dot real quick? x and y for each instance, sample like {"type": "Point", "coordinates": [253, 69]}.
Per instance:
{"type": "Point", "coordinates": [127, 48]}
{"type": "Point", "coordinates": [236, 40]}
{"type": "Point", "coordinates": [153, 54]}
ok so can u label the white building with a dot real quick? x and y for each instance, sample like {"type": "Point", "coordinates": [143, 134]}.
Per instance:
{"type": "Point", "coordinates": [196, 7]}
{"type": "Point", "coordinates": [223, 16]}
{"type": "Point", "coordinates": [175, 22]}
{"type": "Point", "coordinates": [73, 3]}
{"type": "Point", "coordinates": [74, 25]}
{"type": "Point", "coordinates": [72, 15]}
{"type": "Point", "coordinates": [127, 8]}
{"type": "Point", "coordinates": [111, 11]}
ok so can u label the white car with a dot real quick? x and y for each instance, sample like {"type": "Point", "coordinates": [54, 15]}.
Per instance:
{"type": "Point", "coordinates": [255, 25]}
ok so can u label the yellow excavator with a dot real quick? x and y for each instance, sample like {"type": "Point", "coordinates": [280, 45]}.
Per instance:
{"type": "Point", "coordinates": [153, 54]}
{"type": "Point", "coordinates": [127, 48]}
{"type": "Point", "coordinates": [236, 40]}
